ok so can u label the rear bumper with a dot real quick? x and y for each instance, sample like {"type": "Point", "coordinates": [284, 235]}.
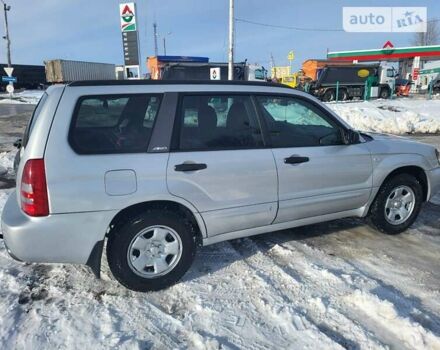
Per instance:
{"type": "Point", "coordinates": [434, 182]}
{"type": "Point", "coordinates": [57, 238]}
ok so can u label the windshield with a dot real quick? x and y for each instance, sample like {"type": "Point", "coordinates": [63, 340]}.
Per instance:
{"type": "Point", "coordinates": [35, 114]}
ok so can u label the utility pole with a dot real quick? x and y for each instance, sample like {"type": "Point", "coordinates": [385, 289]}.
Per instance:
{"type": "Point", "coordinates": [164, 46]}
{"type": "Point", "coordinates": [164, 42]}
{"type": "Point", "coordinates": [6, 8]}
{"type": "Point", "coordinates": [231, 41]}
{"type": "Point", "coordinates": [272, 64]}
{"type": "Point", "coordinates": [156, 51]}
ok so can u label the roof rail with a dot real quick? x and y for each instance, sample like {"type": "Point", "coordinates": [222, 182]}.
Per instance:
{"type": "Point", "coordinates": [173, 82]}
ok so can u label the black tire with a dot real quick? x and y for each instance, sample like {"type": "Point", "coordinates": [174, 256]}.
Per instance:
{"type": "Point", "coordinates": [384, 93]}
{"type": "Point", "coordinates": [329, 95]}
{"type": "Point", "coordinates": [343, 95]}
{"type": "Point", "coordinates": [377, 210]}
{"type": "Point", "coordinates": [119, 242]}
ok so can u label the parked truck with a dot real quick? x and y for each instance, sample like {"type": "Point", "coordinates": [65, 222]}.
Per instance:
{"type": "Point", "coordinates": [64, 71]}
{"type": "Point", "coordinates": [28, 76]}
{"type": "Point", "coordinates": [199, 68]}
{"type": "Point", "coordinates": [351, 80]}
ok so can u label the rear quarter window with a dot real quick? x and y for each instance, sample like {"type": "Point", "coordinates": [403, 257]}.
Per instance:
{"type": "Point", "coordinates": [34, 117]}
{"type": "Point", "coordinates": [113, 123]}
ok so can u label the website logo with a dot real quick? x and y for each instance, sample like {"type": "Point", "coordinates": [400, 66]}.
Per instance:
{"type": "Point", "coordinates": [384, 19]}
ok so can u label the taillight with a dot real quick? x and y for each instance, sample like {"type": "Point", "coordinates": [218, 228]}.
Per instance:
{"type": "Point", "coordinates": [34, 201]}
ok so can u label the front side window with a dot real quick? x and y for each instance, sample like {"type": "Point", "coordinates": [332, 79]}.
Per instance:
{"type": "Point", "coordinates": [297, 123]}
{"type": "Point", "coordinates": [218, 122]}
{"type": "Point", "coordinates": [260, 74]}
{"type": "Point", "coordinates": [390, 73]}
{"type": "Point", "coordinates": [113, 123]}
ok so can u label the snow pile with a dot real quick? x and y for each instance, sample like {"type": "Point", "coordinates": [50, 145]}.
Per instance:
{"type": "Point", "coordinates": [7, 160]}
{"type": "Point", "coordinates": [25, 97]}
{"type": "Point", "coordinates": [6, 167]}
{"type": "Point", "coordinates": [397, 116]}
{"type": "Point", "coordinates": [3, 197]}
{"type": "Point", "coordinates": [383, 313]}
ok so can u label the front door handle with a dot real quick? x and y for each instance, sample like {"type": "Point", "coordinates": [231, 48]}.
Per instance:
{"type": "Point", "coordinates": [190, 166]}
{"type": "Point", "coordinates": [296, 160]}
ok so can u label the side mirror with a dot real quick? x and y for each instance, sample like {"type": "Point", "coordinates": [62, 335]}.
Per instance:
{"type": "Point", "coordinates": [18, 143]}
{"type": "Point", "coordinates": [351, 137]}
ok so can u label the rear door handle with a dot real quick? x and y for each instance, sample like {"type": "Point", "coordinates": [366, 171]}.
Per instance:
{"type": "Point", "coordinates": [190, 166]}
{"type": "Point", "coordinates": [296, 160]}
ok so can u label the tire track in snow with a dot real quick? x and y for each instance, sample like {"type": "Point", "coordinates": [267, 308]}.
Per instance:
{"type": "Point", "coordinates": [388, 335]}
{"type": "Point", "coordinates": [238, 313]}
{"type": "Point", "coordinates": [380, 275]}
{"type": "Point", "coordinates": [302, 296]}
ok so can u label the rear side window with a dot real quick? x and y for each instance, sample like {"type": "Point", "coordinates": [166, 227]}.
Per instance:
{"type": "Point", "coordinates": [218, 122]}
{"type": "Point", "coordinates": [113, 123]}
{"type": "Point", "coordinates": [34, 118]}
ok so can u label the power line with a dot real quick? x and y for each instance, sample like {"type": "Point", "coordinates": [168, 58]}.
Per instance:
{"type": "Point", "coordinates": [288, 27]}
{"type": "Point", "coordinates": [304, 29]}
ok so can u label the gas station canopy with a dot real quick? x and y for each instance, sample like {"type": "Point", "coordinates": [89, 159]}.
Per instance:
{"type": "Point", "coordinates": [388, 53]}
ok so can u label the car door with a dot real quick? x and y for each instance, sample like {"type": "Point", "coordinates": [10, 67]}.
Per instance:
{"type": "Point", "coordinates": [318, 174]}
{"type": "Point", "coordinates": [219, 164]}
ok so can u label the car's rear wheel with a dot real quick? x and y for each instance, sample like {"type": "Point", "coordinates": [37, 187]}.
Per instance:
{"type": "Point", "coordinates": [151, 251]}
{"type": "Point", "coordinates": [397, 204]}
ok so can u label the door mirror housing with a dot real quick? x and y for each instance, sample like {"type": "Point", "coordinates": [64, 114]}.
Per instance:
{"type": "Point", "coordinates": [350, 137]}
{"type": "Point", "coordinates": [18, 143]}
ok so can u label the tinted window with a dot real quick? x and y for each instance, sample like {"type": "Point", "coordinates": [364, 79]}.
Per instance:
{"type": "Point", "coordinates": [113, 124]}
{"type": "Point", "coordinates": [297, 123]}
{"type": "Point", "coordinates": [390, 73]}
{"type": "Point", "coordinates": [218, 122]}
{"type": "Point", "coordinates": [34, 118]}
{"type": "Point", "coordinates": [260, 74]}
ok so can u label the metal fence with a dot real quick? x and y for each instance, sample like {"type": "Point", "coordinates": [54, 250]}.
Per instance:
{"type": "Point", "coordinates": [427, 94]}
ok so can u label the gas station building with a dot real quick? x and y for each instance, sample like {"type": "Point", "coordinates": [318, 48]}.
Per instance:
{"type": "Point", "coordinates": [411, 60]}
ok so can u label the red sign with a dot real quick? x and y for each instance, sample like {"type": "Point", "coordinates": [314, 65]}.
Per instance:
{"type": "Point", "coordinates": [388, 44]}
{"type": "Point", "coordinates": [415, 73]}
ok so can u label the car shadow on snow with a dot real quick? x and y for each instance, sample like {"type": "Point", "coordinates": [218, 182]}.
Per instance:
{"type": "Point", "coordinates": [218, 256]}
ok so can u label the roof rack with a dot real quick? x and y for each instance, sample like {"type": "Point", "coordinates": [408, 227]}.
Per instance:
{"type": "Point", "coordinates": [173, 82]}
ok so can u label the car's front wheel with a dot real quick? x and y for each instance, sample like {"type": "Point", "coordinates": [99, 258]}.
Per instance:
{"type": "Point", "coordinates": [151, 251]}
{"type": "Point", "coordinates": [397, 204]}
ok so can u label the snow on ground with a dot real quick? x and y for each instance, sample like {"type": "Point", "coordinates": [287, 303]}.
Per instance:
{"type": "Point", "coordinates": [334, 285]}
{"type": "Point", "coordinates": [7, 160]}
{"type": "Point", "coordinates": [395, 116]}
{"type": "Point", "coordinates": [7, 174]}
{"type": "Point", "coordinates": [23, 97]}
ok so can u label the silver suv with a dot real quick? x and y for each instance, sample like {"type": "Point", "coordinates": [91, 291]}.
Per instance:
{"type": "Point", "coordinates": [151, 170]}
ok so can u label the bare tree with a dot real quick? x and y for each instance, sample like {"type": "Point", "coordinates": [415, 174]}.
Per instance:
{"type": "Point", "coordinates": [431, 37]}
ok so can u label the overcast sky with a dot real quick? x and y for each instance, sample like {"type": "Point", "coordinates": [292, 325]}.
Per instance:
{"type": "Point", "coordinates": [89, 29]}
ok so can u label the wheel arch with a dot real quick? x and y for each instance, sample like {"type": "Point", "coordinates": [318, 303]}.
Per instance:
{"type": "Point", "coordinates": [414, 170]}
{"type": "Point", "coordinates": [94, 260]}
{"type": "Point", "coordinates": [183, 210]}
